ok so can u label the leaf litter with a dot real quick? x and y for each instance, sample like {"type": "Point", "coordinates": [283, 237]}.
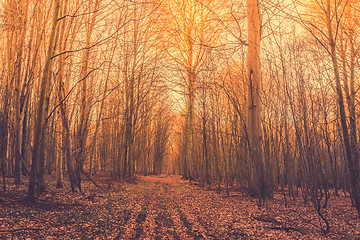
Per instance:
{"type": "Point", "coordinates": [165, 207]}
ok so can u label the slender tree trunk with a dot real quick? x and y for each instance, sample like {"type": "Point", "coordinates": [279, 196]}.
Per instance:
{"type": "Point", "coordinates": [188, 158]}
{"type": "Point", "coordinates": [205, 146]}
{"type": "Point", "coordinates": [17, 129]}
{"type": "Point", "coordinates": [59, 170]}
{"type": "Point", "coordinates": [24, 141]}
{"type": "Point", "coordinates": [67, 142]}
{"type": "Point", "coordinates": [83, 128]}
{"type": "Point", "coordinates": [3, 144]}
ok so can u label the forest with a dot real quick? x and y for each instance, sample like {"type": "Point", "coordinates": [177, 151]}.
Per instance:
{"type": "Point", "coordinates": [179, 119]}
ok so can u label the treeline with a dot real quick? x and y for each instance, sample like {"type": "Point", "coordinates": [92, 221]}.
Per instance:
{"type": "Point", "coordinates": [182, 87]}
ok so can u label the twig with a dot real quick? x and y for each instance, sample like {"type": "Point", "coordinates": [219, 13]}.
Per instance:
{"type": "Point", "coordinates": [92, 181]}
{"type": "Point", "coordinates": [349, 235]}
{"type": "Point", "coordinates": [287, 229]}
{"type": "Point", "coordinates": [20, 229]}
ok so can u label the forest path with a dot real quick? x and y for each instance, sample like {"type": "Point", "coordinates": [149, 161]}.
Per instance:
{"type": "Point", "coordinates": [165, 207]}
{"type": "Point", "coordinates": [171, 208]}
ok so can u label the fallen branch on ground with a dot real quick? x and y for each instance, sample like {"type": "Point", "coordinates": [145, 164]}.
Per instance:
{"type": "Point", "coordinates": [20, 229]}
{"type": "Point", "coordinates": [287, 229]}
{"type": "Point", "coordinates": [97, 185]}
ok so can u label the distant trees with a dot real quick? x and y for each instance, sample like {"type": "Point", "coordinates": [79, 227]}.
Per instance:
{"type": "Point", "coordinates": [193, 32]}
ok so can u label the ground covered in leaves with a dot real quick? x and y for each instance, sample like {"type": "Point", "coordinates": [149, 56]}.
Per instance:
{"type": "Point", "coordinates": [165, 207]}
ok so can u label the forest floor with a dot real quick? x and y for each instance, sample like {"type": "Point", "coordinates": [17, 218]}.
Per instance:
{"type": "Point", "coordinates": [165, 207]}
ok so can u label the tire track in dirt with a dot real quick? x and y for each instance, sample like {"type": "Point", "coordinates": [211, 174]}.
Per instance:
{"type": "Point", "coordinates": [152, 220]}
{"type": "Point", "coordinates": [179, 227]}
{"type": "Point", "coordinates": [126, 214]}
{"type": "Point", "coordinates": [171, 210]}
{"type": "Point", "coordinates": [149, 222]}
{"type": "Point", "coordinates": [129, 216]}
{"type": "Point", "coordinates": [164, 223]}
{"type": "Point", "coordinates": [190, 213]}
{"type": "Point", "coordinates": [133, 227]}
{"type": "Point", "coordinates": [174, 214]}
{"type": "Point", "coordinates": [159, 224]}
{"type": "Point", "coordinates": [147, 218]}
{"type": "Point", "coordinates": [140, 220]}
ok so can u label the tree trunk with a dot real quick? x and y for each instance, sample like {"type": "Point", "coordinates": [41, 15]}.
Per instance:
{"type": "Point", "coordinates": [67, 142]}
{"type": "Point", "coordinates": [3, 145]}
{"type": "Point", "coordinates": [189, 125]}
{"type": "Point", "coordinates": [257, 182]}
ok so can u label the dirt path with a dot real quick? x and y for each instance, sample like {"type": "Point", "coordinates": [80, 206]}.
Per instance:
{"type": "Point", "coordinates": [166, 207]}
